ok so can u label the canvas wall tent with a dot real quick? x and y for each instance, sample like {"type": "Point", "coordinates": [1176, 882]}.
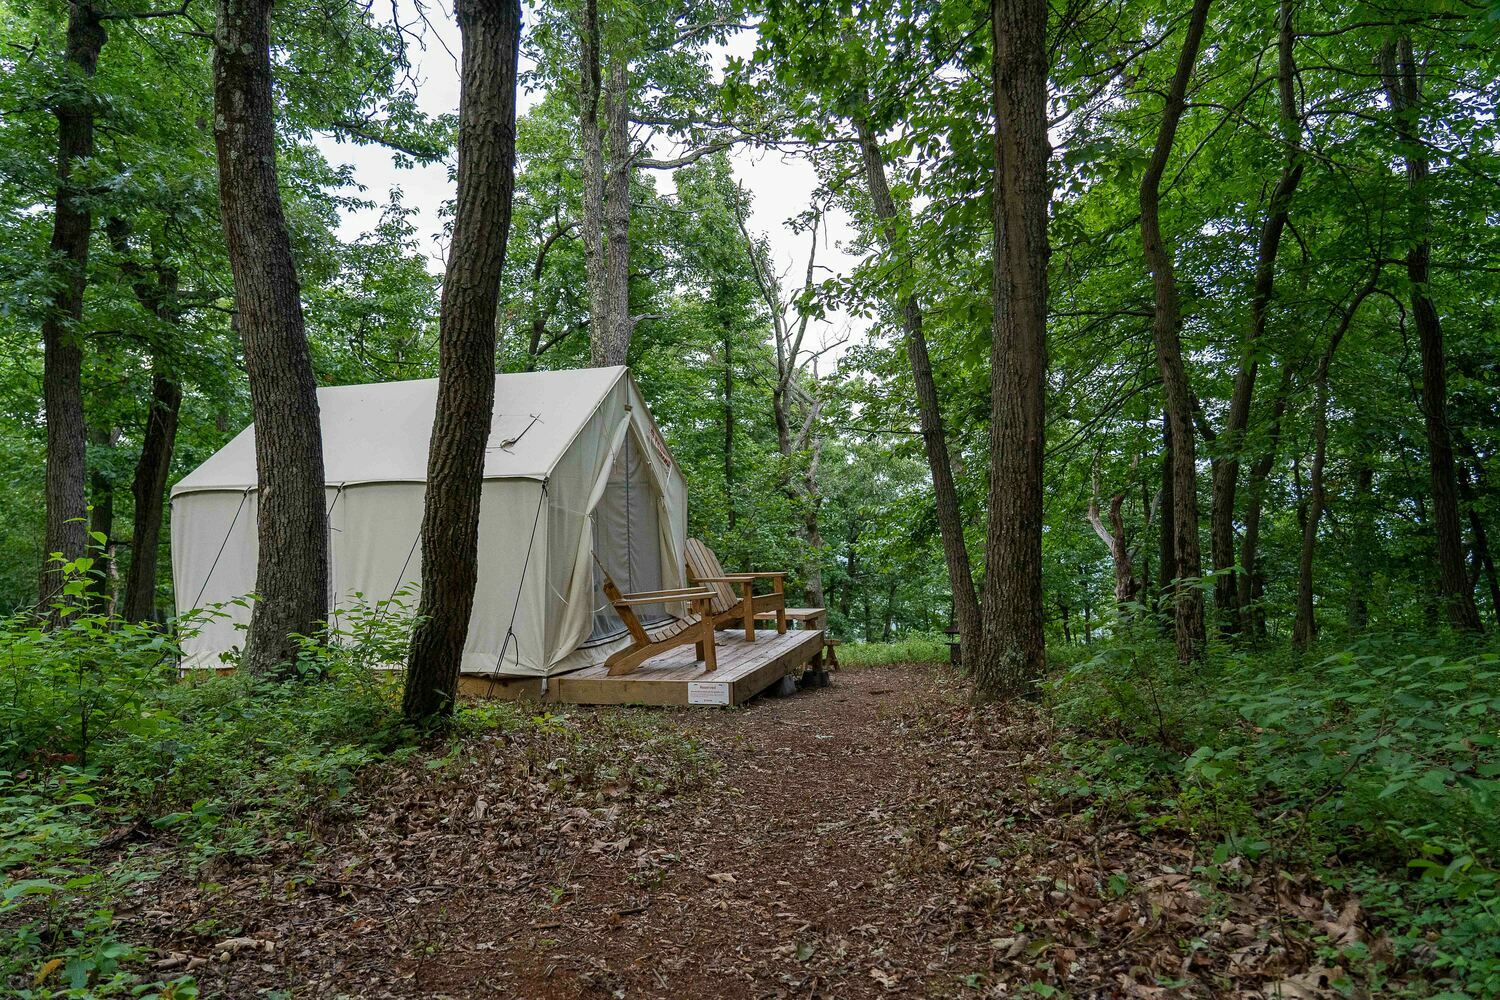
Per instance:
{"type": "Point", "coordinates": [576, 474]}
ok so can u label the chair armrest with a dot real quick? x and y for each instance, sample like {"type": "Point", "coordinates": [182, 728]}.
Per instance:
{"type": "Point", "coordinates": [727, 578]}
{"type": "Point", "coordinates": [758, 574]}
{"type": "Point", "coordinates": [667, 596]}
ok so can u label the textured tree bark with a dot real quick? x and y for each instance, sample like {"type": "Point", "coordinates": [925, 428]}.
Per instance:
{"type": "Point", "coordinates": [615, 349]}
{"type": "Point", "coordinates": [929, 409]}
{"type": "Point", "coordinates": [1187, 599]}
{"type": "Point", "coordinates": [1359, 579]}
{"type": "Point", "coordinates": [591, 141]}
{"type": "Point", "coordinates": [606, 172]}
{"type": "Point", "coordinates": [1399, 70]}
{"type": "Point", "coordinates": [1167, 554]}
{"type": "Point", "coordinates": [156, 291]}
{"type": "Point", "coordinates": [812, 535]}
{"type": "Point", "coordinates": [733, 516]}
{"type": "Point", "coordinates": [1305, 626]}
{"type": "Point", "coordinates": [491, 32]}
{"type": "Point", "coordinates": [292, 569]}
{"type": "Point", "coordinates": [65, 532]}
{"type": "Point", "coordinates": [149, 489]}
{"type": "Point", "coordinates": [1231, 440]}
{"type": "Point", "coordinates": [1484, 561]}
{"type": "Point", "coordinates": [1251, 583]}
{"type": "Point", "coordinates": [1113, 536]}
{"type": "Point", "coordinates": [1014, 651]}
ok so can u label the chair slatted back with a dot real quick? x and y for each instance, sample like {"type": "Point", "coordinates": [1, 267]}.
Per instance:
{"type": "Point", "coordinates": [625, 611]}
{"type": "Point", "coordinates": [702, 564]}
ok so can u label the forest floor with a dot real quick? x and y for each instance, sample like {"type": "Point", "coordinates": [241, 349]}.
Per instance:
{"type": "Point", "coordinates": [878, 838]}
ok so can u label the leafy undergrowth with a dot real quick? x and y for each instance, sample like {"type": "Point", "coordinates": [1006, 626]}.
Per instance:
{"type": "Point", "coordinates": [386, 890]}
{"type": "Point", "coordinates": [112, 770]}
{"type": "Point", "coordinates": [1258, 826]}
{"type": "Point", "coordinates": [225, 769]}
{"type": "Point", "coordinates": [117, 779]}
{"type": "Point", "coordinates": [912, 649]}
{"type": "Point", "coordinates": [1074, 900]}
{"type": "Point", "coordinates": [609, 853]}
{"type": "Point", "coordinates": [1373, 766]}
{"type": "Point", "coordinates": [299, 780]}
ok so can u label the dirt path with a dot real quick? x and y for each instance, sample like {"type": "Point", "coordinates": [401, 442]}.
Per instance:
{"type": "Point", "coordinates": [876, 838]}
{"type": "Point", "coordinates": [783, 879]}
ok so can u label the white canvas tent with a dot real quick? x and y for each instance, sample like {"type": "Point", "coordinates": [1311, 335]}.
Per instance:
{"type": "Point", "coordinates": [576, 474]}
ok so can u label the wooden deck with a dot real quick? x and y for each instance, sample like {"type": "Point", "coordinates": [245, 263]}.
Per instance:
{"type": "Point", "coordinates": [672, 678]}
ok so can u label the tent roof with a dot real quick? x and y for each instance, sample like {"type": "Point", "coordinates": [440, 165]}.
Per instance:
{"type": "Point", "coordinates": [379, 433]}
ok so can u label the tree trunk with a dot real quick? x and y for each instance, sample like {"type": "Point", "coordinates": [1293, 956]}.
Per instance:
{"type": "Point", "coordinates": [157, 294]}
{"type": "Point", "coordinates": [890, 612]}
{"type": "Point", "coordinates": [149, 490]}
{"type": "Point", "coordinates": [1168, 549]}
{"type": "Point", "coordinates": [292, 525]}
{"type": "Point", "coordinates": [101, 524]}
{"type": "Point", "coordinates": [1014, 652]}
{"type": "Point", "coordinates": [1187, 599]}
{"type": "Point", "coordinates": [491, 32]}
{"type": "Point", "coordinates": [1250, 578]}
{"type": "Point", "coordinates": [851, 563]}
{"type": "Point", "coordinates": [733, 516]}
{"type": "Point", "coordinates": [616, 348]}
{"type": "Point", "coordinates": [1113, 536]}
{"type": "Point", "coordinates": [1227, 469]}
{"type": "Point", "coordinates": [1305, 626]}
{"type": "Point", "coordinates": [812, 573]}
{"type": "Point", "coordinates": [66, 533]}
{"type": "Point", "coordinates": [1484, 561]}
{"type": "Point", "coordinates": [1399, 70]}
{"type": "Point", "coordinates": [1088, 612]}
{"type": "Point", "coordinates": [591, 142]}
{"type": "Point", "coordinates": [929, 409]}
{"type": "Point", "coordinates": [1359, 578]}
{"type": "Point", "coordinates": [606, 174]}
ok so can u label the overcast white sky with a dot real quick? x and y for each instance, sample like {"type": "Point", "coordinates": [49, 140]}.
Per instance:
{"type": "Point", "coordinates": [782, 185]}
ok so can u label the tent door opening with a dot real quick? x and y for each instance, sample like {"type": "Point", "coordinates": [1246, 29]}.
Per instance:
{"type": "Point", "coordinates": [627, 541]}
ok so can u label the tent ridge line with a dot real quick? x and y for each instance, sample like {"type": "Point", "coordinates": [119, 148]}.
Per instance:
{"type": "Point", "coordinates": [531, 477]}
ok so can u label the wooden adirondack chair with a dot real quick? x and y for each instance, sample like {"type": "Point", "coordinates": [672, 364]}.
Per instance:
{"type": "Point", "coordinates": [735, 601]}
{"type": "Point", "coordinates": [697, 627]}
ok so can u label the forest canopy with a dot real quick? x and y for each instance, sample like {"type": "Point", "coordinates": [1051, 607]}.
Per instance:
{"type": "Point", "coordinates": [1147, 353]}
{"type": "Point", "coordinates": [1317, 146]}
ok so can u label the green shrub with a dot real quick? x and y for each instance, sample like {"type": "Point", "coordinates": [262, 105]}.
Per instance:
{"type": "Point", "coordinates": [90, 676]}
{"type": "Point", "coordinates": [99, 735]}
{"type": "Point", "coordinates": [911, 649]}
{"type": "Point", "coordinates": [1379, 764]}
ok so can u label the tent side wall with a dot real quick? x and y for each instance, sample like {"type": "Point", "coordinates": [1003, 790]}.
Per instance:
{"type": "Point", "coordinates": [213, 564]}
{"type": "Point", "coordinates": [375, 558]}
{"type": "Point", "coordinates": [507, 631]}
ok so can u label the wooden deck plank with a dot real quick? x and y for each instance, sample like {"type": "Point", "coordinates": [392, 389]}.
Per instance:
{"type": "Point", "coordinates": [745, 668]}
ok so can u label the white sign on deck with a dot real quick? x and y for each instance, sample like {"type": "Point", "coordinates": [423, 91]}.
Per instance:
{"type": "Point", "coordinates": [708, 693]}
